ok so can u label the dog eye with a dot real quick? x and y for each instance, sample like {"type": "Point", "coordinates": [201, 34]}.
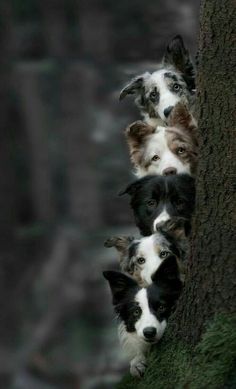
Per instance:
{"type": "Point", "coordinates": [141, 260]}
{"type": "Point", "coordinates": [176, 87]}
{"type": "Point", "coordinates": [181, 150]}
{"type": "Point", "coordinates": [153, 95]}
{"type": "Point", "coordinates": [164, 254]}
{"type": "Point", "coordinates": [155, 157]}
{"type": "Point", "coordinates": [136, 312]}
{"type": "Point", "coordinates": [151, 203]}
{"type": "Point", "coordinates": [161, 308]}
{"type": "Point", "coordinates": [179, 202]}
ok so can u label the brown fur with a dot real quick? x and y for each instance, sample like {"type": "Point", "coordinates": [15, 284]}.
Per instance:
{"type": "Point", "coordinates": [181, 131]}
{"type": "Point", "coordinates": [181, 118]}
{"type": "Point", "coordinates": [135, 135]}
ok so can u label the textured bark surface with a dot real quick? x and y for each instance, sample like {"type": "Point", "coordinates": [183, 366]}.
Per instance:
{"type": "Point", "coordinates": [211, 279]}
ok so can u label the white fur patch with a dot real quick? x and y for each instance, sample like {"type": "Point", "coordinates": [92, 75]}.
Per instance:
{"type": "Point", "coordinates": [131, 343]}
{"type": "Point", "coordinates": [147, 319]}
{"type": "Point", "coordinates": [147, 250]}
{"type": "Point", "coordinates": [157, 145]}
{"type": "Point", "coordinates": [163, 217]}
{"type": "Point", "coordinates": [167, 98]}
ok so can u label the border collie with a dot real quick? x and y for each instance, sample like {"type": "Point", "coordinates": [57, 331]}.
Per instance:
{"type": "Point", "coordinates": [164, 150]}
{"type": "Point", "coordinates": [158, 92]}
{"type": "Point", "coordinates": [143, 312]}
{"type": "Point", "coordinates": [156, 199]}
{"type": "Point", "coordinates": [141, 257]}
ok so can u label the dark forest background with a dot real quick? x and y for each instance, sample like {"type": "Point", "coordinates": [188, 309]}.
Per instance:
{"type": "Point", "coordinates": [63, 159]}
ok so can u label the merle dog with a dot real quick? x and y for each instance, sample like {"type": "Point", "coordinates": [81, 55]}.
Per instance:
{"type": "Point", "coordinates": [158, 92]}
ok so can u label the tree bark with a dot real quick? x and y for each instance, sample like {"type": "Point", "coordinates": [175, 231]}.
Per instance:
{"type": "Point", "coordinates": [210, 284]}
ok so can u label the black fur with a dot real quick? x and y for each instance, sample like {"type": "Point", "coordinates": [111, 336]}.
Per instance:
{"type": "Point", "coordinates": [175, 193]}
{"type": "Point", "coordinates": [162, 294]}
{"type": "Point", "coordinates": [177, 55]}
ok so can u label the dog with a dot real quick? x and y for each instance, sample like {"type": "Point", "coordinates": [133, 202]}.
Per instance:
{"type": "Point", "coordinates": [156, 199]}
{"type": "Point", "coordinates": [140, 258]}
{"type": "Point", "coordinates": [143, 312]}
{"type": "Point", "coordinates": [174, 81]}
{"type": "Point", "coordinates": [164, 150]}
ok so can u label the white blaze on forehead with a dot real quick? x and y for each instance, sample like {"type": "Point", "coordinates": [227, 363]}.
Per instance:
{"type": "Point", "coordinates": [147, 319]}
{"type": "Point", "coordinates": [167, 98]}
{"type": "Point", "coordinates": [161, 218]}
{"type": "Point", "coordinates": [147, 249]}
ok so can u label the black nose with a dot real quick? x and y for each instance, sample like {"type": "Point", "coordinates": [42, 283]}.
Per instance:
{"type": "Point", "coordinates": [168, 110]}
{"type": "Point", "coordinates": [149, 332]}
{"type": "Point", "coordinates": [169, 171]}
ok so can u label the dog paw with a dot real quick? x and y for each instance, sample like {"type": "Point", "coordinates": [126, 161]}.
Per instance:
{"type": "Point", "coordinates": [137, 368]}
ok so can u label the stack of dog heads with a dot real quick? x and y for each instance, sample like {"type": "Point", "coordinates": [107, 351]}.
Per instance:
{"type": "Point", "coordinates": [163, 150]}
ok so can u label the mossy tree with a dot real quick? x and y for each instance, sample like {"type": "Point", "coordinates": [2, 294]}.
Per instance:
{"type": "Point", "coordinates": [200, 346]}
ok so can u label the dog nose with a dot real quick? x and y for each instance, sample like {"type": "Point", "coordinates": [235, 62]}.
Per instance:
{"type": "Point", "coordinates": [149, 332]}
{"type": "Point", "coordinates": [169, 171]}
{"type": "Point", "coordinates": [168, 110]}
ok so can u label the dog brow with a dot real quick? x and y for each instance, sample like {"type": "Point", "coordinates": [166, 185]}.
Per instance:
{"type": "Point", "coordinates": [171, 76]}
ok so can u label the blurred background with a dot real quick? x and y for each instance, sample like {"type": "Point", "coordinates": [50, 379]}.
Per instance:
{"type": "Point", "coordinates": [63, 160]}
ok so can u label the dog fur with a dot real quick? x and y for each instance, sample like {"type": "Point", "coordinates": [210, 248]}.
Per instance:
{"type": "Point", "coordinates": [164, 150]}
{"type": "Point", "coordinates": [140, 258]}
{"type": "Point", "coordinates": [158, 92]}
{"type": "Point", "coordinates": [143, 312]}
{"type": "Point", "coordinates": [156, 199]}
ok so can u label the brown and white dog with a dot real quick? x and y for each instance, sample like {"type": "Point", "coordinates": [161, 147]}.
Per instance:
{"type": "Point", "coordinates": [140, 258]}
{"type": "Point", "coordinates": [164, 150]}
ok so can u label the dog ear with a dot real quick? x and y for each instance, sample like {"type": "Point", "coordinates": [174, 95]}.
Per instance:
{"type": "Point", "coordinates": [178, 56]}
{"type": "Point", "coordinates": [135, 134]}
{"type": "Point", "coordinates": [134, 86]}
{"type": "Point", "coordinates": [121, 243]}
{"type": "Point", "coordinates": [130, 189]}
{"type": "Point", "coordinates": [138, 130]}
{"type": "Point", "coordinates": [168, 275]}
{"type": "Point", "coordinates": [119, 284]}
{"type": "Point", "coordinates": [180, 117]}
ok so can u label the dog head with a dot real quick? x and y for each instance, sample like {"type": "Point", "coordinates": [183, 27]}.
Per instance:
{"type": "Point", "coordinates": [142, 257]}
{"type": "Point", "coordinates": [156, 199]}
{"type": "Point", "coordinates": [157, 93]}
{"type": "Point", "coordinates": [144, 311]}
{"type": "Point", "coordinates": [164, 150]}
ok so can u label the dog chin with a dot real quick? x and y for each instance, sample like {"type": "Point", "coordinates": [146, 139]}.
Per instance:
{"type": "Point", "coordinates": [151, 341]}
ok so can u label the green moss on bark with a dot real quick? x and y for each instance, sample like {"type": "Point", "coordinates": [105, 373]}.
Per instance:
{"type": "Point", "coordinates": [171, 365]}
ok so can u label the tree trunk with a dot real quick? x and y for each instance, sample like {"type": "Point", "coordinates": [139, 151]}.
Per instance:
{"type": "Point", "coordinates": [210, 285]}
{"type": "Point", "coordinates": [198, 350]}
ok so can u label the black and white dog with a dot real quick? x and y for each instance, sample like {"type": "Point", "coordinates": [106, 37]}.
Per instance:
{"type": "Point", "coordinates": [156, 199]}
{"type": "Point", "coordinates": [141, 257]}
{"type": "Point", "coordinates": [158, 92]}
{"type": "Point", "coordinates": [143, 312]}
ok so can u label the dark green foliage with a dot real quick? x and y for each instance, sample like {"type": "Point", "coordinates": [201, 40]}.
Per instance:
{"type": "Point", "coordinates": [171, 367]}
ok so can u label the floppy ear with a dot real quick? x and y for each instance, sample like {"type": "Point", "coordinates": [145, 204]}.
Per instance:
{"type": "Point", "coordinates": [135, 86]}
{"type": "Point", "coordinates": [178, 56]}
{"type": "Point", "coordinates": [180, 117]}
{"type": "Point", "coordinates": [130, 189]}
{"type": "Point", "coordinates": [119, 284]}
{"type": "Point", "coordinates": [168, 275]}
{"type": "Point", "coordinates": [121, 243]}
